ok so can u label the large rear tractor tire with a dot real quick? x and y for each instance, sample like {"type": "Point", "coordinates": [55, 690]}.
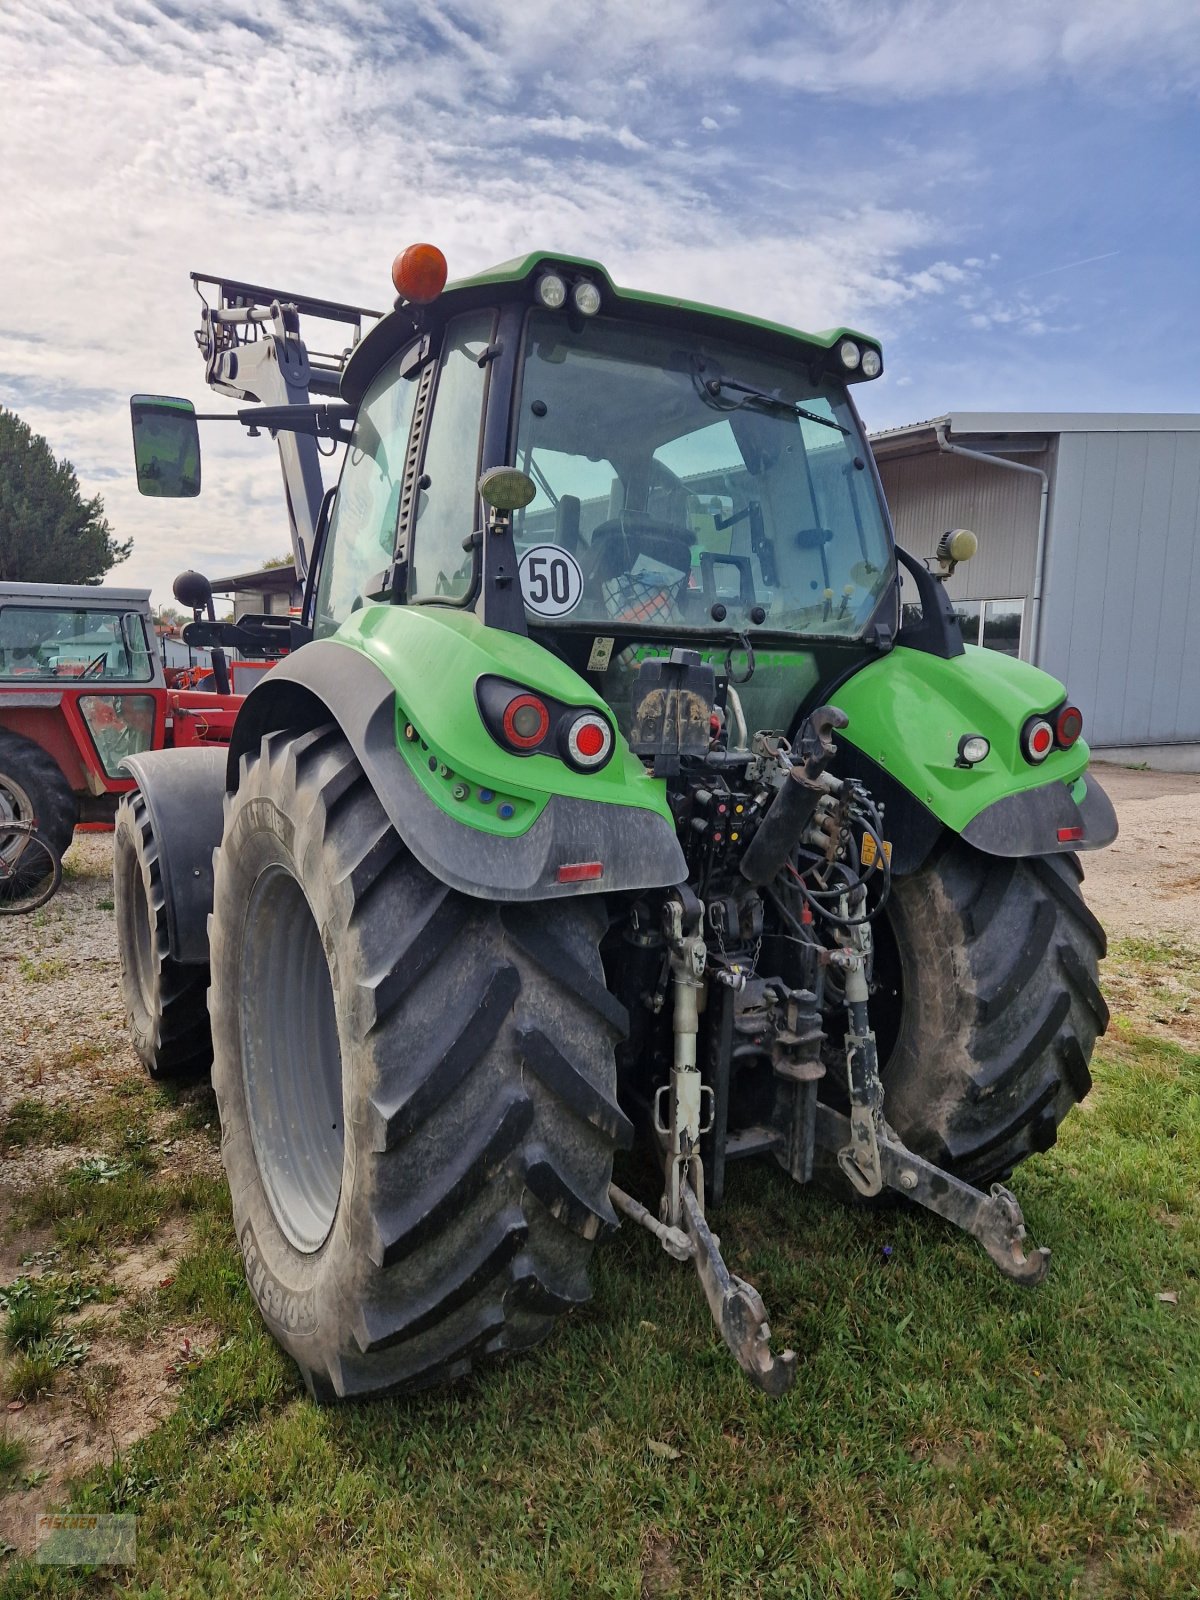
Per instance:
{"type": "Point", "coordinates": [34, 788]}
{"type": "Point", "coordinates": [417, 1088]}
{"type": "Point", "coordinates": [166, 1003]}
{"type": "Point", "coordinates": [999, 1006]}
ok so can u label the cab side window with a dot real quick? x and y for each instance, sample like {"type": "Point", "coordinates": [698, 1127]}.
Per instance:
{"type": "Point", "coordinates": [446, 507]}
{"type": "Point", "coordinates": [362, 527]}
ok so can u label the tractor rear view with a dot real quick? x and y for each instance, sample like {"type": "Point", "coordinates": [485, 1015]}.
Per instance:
{"type": "Point", "coordinates": [605, 796]}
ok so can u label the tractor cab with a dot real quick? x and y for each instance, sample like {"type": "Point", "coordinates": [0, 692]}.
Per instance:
{"type": "Point", "coordinates": [81, 688]}
{"type": "Point", "coordinates": [695, 479]}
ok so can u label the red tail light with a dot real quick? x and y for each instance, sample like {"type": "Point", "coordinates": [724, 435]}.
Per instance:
{"type": "Point", "coordinates": [526, 722]}
{"type": "Point", "coordinates": [1068, 725]}
{"type": "Point", "coordinates": [588, 741]}
{"type": "Point", "coordinates": [1037, 740]}
{"type": "Point", "coordinates": [581, 872]}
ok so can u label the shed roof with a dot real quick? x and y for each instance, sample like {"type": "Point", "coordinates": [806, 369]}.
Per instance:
{"type": "Point", "coordinates": [1000, 424]}
{"type": "Point", "coordinates": [272, 578]}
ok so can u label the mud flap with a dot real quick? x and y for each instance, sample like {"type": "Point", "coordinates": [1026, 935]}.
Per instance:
{"type": "Point", "coordinates": [184, 791]}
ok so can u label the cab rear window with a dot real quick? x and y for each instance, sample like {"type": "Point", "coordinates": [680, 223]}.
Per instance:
{"type": "Point", "coordinates": [42, 642]}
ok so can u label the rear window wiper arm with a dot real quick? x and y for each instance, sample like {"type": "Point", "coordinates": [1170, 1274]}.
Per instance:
{"type": "Point", "coordinates": [714, 386]}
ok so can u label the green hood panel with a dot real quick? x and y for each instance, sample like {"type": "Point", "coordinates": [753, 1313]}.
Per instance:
{"type": "Point", "coordinates": [433, 656]}
{"type": "Point", "coordinates": [908, 710]}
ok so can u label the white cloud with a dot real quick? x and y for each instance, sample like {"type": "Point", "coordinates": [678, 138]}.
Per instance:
{"type": "Point", "coordinates": [917, 49]}
{"type": "Point", "coordinates": [302, 144]}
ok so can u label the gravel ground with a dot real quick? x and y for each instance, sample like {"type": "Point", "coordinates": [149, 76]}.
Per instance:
{"type": "Point", "coordinates": [62, 1025]}
{"type": "Point", "coordinates": [62, 1029]}
{"type": "Point", "coordinates": [1147, 884]}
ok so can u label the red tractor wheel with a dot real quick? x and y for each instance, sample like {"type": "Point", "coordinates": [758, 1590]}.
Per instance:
{"type": "Point", "coordinates": [34, 789]}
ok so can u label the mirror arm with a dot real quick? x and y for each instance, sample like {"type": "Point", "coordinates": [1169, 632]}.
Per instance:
{"type": "Point", "coordinates": [321, 421]}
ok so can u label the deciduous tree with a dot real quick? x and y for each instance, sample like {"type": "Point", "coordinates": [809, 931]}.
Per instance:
{"type": "Point", "coordinates": [48, 532]}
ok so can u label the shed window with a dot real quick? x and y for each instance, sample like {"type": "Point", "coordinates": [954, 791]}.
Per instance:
{"type": "Point", "coordinates": [994, 624]}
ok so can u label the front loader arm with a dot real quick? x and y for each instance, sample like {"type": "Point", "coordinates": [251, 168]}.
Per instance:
{"type": "Point", "coordinates": [253, 350]}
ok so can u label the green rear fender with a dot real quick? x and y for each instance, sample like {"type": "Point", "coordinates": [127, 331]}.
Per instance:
{"type": "Point", "coordinates": [909, 710]}
{"type": "Point", "coordinates": [433, 657]}
{"type": "Point", "coordinates": [400, 682]}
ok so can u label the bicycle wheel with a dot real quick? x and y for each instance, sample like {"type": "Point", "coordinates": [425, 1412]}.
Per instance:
{"type": "Point", "coordinates": [30, 870]}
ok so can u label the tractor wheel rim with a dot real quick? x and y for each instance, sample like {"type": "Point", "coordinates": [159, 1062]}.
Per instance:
{"type": "Point", "coordinates": [291, 1060]}
{"type": "Point", "coordinates": [144, 965]}
{"type": "Point", "coordinates": [15, 806]}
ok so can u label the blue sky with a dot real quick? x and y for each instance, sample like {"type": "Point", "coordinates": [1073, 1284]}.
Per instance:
{"type": "Point", "coordinates": [1006, 194]}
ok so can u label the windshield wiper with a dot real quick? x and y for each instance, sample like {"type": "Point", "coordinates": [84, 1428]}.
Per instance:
{"type": "Point", "coordinates": [714, 386]}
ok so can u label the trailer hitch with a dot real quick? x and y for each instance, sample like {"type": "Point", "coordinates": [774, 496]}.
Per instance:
{"type": "Point", "coordinates": [737, 1308]}
{"type": "Point", "coordinates": [994, 1219]}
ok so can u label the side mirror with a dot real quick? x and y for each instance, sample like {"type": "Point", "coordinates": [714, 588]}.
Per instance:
{"type": "Point", "coordinates": [166, 446]}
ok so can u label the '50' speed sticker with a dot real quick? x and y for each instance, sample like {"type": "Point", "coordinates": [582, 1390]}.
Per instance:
{"type": "Point", "coordinates": [551, 580]}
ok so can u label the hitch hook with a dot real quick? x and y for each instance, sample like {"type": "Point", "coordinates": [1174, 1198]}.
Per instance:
{"type": "Point", "coordinates": [737, 1308]}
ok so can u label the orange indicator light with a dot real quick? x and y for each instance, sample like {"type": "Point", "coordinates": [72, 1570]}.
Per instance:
{"type": "Point", "coordinates": [419, 273]}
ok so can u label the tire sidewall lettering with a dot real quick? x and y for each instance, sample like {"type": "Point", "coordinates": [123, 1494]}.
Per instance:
{"type": "Point", "coordinates": [263, 815]}
{"type": "Point", "coordinates": [294, 1311]}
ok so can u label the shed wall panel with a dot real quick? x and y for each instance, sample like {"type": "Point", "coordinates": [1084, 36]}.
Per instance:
{"type": "Point", "coordinates": [1122, 582]}
{"type": "Point", "coordinates": [1179, 628]}
{"type": "Point", "coordinates": [932, 492]}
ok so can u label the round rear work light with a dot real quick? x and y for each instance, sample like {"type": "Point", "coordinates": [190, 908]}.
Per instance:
{"type": "Point", "coordinates": [872, 363]}
{"type": "Point", "coordinates": [1068, 725]}
{"type": "Point", "coordinates": [972, 749]}
{"type": "Point", "coordinates": [586, 297]}
{"type": "Point", "coordinates": [1037, 740]}
{"type": "Point", "coordinates": [552, 291]}
{"type": "Point", "coordinates": [526, 722]}
{"type": "Point", "coordinates": [850, 354]}
{"type": "Point", "coordinates": [588, 741]}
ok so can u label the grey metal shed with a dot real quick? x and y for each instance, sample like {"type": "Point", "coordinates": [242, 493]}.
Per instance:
{"type": "Point", "coordinates": [1088, 525]}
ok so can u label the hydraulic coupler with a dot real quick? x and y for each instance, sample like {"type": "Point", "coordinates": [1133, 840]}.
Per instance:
{"type": "Point", "coordinates": [796, 799]}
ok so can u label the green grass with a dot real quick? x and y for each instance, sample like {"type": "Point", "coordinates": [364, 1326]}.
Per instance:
{"type": "Point", "coordinates": [32, 1122]}
{"type": "Point", "coordinates": [31, 1375]}
{"type": "Point", "coordinates": [29, 1319]}
{"type": "Point", "coordinates": [42, 971]}
{"type": "Point", "coordinates": [13, 1453]}
{"type": "Point", "coordinates": [949, 1433]}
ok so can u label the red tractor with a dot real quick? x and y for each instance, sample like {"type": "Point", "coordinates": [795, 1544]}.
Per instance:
{"type": "Point", "coordinates": [82, 687]}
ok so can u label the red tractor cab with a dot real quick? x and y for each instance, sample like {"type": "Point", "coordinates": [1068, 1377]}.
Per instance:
{"type": "Point", "coordinates": [81, 687]}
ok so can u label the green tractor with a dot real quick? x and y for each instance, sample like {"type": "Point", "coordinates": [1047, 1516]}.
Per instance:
{"type": "Point", "coordinates": [607, 793]}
